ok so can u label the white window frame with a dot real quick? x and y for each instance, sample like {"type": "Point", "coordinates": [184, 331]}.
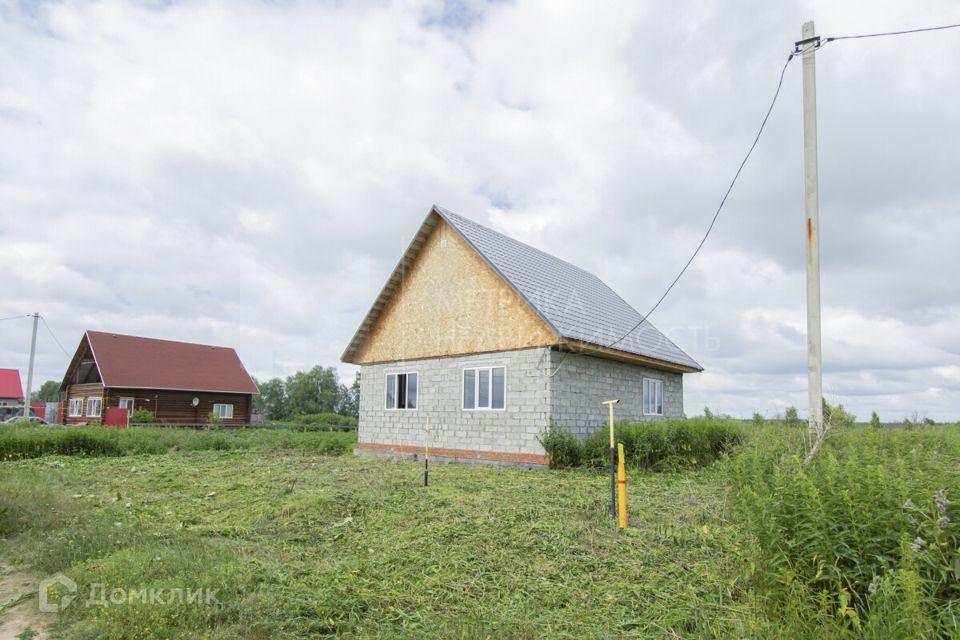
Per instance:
{"type": "Point", "coordinates": [78, 403]}
{"type": "Point", "coordinates": [218, 410]}
{"type": "Point", "coordinates": [654, 385]}
{"type": "Point", "coordinates": [396, 396]}
{"type": "Point", "coordinates": [476, 388]}
{"type": "Point", "coordinates": [99, 413]}
{"type": "Point", "coordinates": [126, 403]}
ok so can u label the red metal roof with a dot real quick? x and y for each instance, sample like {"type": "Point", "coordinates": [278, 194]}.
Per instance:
{"type": "Point", "coordinates": [146, 363]}
{"type": "Point", "coordinates": [10, 384]}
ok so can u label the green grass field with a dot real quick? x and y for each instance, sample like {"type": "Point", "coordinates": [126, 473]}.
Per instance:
{"type": "Point", "coordinates": [305, 542]}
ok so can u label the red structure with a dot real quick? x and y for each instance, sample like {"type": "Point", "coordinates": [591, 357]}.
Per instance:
{"type": "Point", "coordinates": [116, 417]}
{"type": "Point", "coordinates": [177, 382]}
{"type": "Point", "coordinates": [11, 392]}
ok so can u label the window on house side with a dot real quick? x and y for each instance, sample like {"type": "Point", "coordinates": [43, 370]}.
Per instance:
{"type": "Point", "coordinates": [391, 391]}
{"type": "Point", "coordinates": [469, 388]}
{"type": "Point", "coordinates": [402, 390]}
{"type": "Point", "coordinates": [76, 407]}
{"type": "Point", "coordinates": [126, 403]}
{"type": "Point", "coordinates": [652, 397]}
{"type": "Point", "coordinates": [484, 388]}
{"type": "Point", "coordinates": [498, 387]}
{"type": "Point", "coordinates": [93, 407]}
{"type": "Point", "coordinates": [224, 411]}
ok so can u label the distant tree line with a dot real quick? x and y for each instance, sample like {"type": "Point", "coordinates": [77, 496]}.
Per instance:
{"type": "Point", "coordinates": [318, 390]}
{"type": "Point", "coordinates": [49, 391]}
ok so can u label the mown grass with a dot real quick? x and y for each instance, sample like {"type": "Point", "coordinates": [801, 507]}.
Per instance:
{"type": "Point", "coordinates": [29, 441]}
{"type": "Point", "coordinates": [300, 544]}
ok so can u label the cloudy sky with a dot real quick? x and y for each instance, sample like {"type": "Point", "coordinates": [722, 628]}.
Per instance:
{"type": "Point", "coordinates": [248, 173]}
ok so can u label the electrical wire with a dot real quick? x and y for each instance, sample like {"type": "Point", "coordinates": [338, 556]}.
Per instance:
{"type": "Point", "coordinates": [52, 335]}
{"type": "Point", "coordinates": [28, 315]}
{"type": "Point", "coordinates": [723, 201]}
{"type": "Point", "coordinates": [820, 42]}
{"type": "Point", "coordinates": [892, 33]}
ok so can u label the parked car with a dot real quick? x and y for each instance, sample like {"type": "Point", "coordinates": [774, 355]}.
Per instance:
{"type": "Point", "coordinates": [22, 419]}
{"type": "Point", "coordinates": [10, 411]}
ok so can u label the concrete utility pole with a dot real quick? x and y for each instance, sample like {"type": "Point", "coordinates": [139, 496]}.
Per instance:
{"type": "Point", "coordinates": [808, 44]}
{"type": "Point", "coordinates": [33, 350]}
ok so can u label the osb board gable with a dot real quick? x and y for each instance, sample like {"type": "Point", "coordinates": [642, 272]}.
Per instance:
{"type": "Point", "coordinates": [451, 302]}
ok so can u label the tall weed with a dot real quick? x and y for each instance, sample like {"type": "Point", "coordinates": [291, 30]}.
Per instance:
{"type": "Point", "coordinates": [867, 526]}
{"type": "Point", "coordinates": [659, 445]}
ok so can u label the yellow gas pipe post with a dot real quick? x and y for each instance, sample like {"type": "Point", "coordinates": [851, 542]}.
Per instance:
{"type": "Point", "coordinates": [426, 456]}
{"type": "Point", "coordinates": [613, 463]}
{"type": "Point", "coordinates": [621, 488]}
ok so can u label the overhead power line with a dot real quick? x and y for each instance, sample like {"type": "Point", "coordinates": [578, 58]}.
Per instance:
{"type": "Point", "coordinates": [723, 201]}
{"type": "Point", "coordinates": [892, 33]}
{"type": "Point", "coordinates": [16, 317]}
{"type": "Point", "coordinates": [53, 335]}
{"type": "Point", "coordinates": [816, 44]}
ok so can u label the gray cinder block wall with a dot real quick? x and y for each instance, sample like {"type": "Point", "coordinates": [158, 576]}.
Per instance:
{"type": "Point", "coordinates": [581, 383]}
{"type": "Point", "coordinates": [511, 430]}
{"type": "Point", "coordinates": [572, 396]}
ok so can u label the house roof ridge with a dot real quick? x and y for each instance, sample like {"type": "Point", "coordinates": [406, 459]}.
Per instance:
{"type": "Point", "coordinates": [446, 212]}
{"type": "Point", "coordinates": [643, 339]}
{"type": "Point", "coordinates": [129, 335]}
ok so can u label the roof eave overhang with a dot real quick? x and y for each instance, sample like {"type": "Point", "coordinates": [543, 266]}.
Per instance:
{"type": "Point", "coordinates": [393, 282]}
{"type": "Point", "coordinates": [234, 391]}
{"type": "Point", "coordinates": [579, 346]}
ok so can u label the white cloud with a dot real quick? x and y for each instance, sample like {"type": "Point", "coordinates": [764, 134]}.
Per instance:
{"type": "Point", "coordinates": [248, 174]}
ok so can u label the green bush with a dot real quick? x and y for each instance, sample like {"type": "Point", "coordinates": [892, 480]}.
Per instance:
{"type": "Point", "coordinates": [837, 417]}
{"type": "Point", "coordinates": [658, 445]}
{"type": "Point", "coordinates": [667, 444]}
{"type": "Point", "coordinates": [867, 528]}
{"type": "Point", "coordinates": [561, 446]}
{"type": "Point", "coordinates": [21, 442]}
{"type": "Point", "coordinates": [142, 416]}
{"type": "Point", "coordinates": [792, 417]}
{"type": "Point", "coordinates": [329, 419]}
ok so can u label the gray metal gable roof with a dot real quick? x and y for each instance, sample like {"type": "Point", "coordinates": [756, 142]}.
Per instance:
{"type": "Point", "coordinates": [577, 304]}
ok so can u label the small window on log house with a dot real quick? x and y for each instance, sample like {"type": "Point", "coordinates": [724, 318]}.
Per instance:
{"type": "Point", "coordinates": [223, 411]}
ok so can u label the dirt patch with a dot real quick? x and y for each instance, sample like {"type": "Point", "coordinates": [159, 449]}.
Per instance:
{"type": "Point", "coordinates": [19, 609]}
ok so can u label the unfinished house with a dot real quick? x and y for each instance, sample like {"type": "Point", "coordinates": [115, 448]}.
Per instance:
{"type": "Point", "coordinates": [492, 339]}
